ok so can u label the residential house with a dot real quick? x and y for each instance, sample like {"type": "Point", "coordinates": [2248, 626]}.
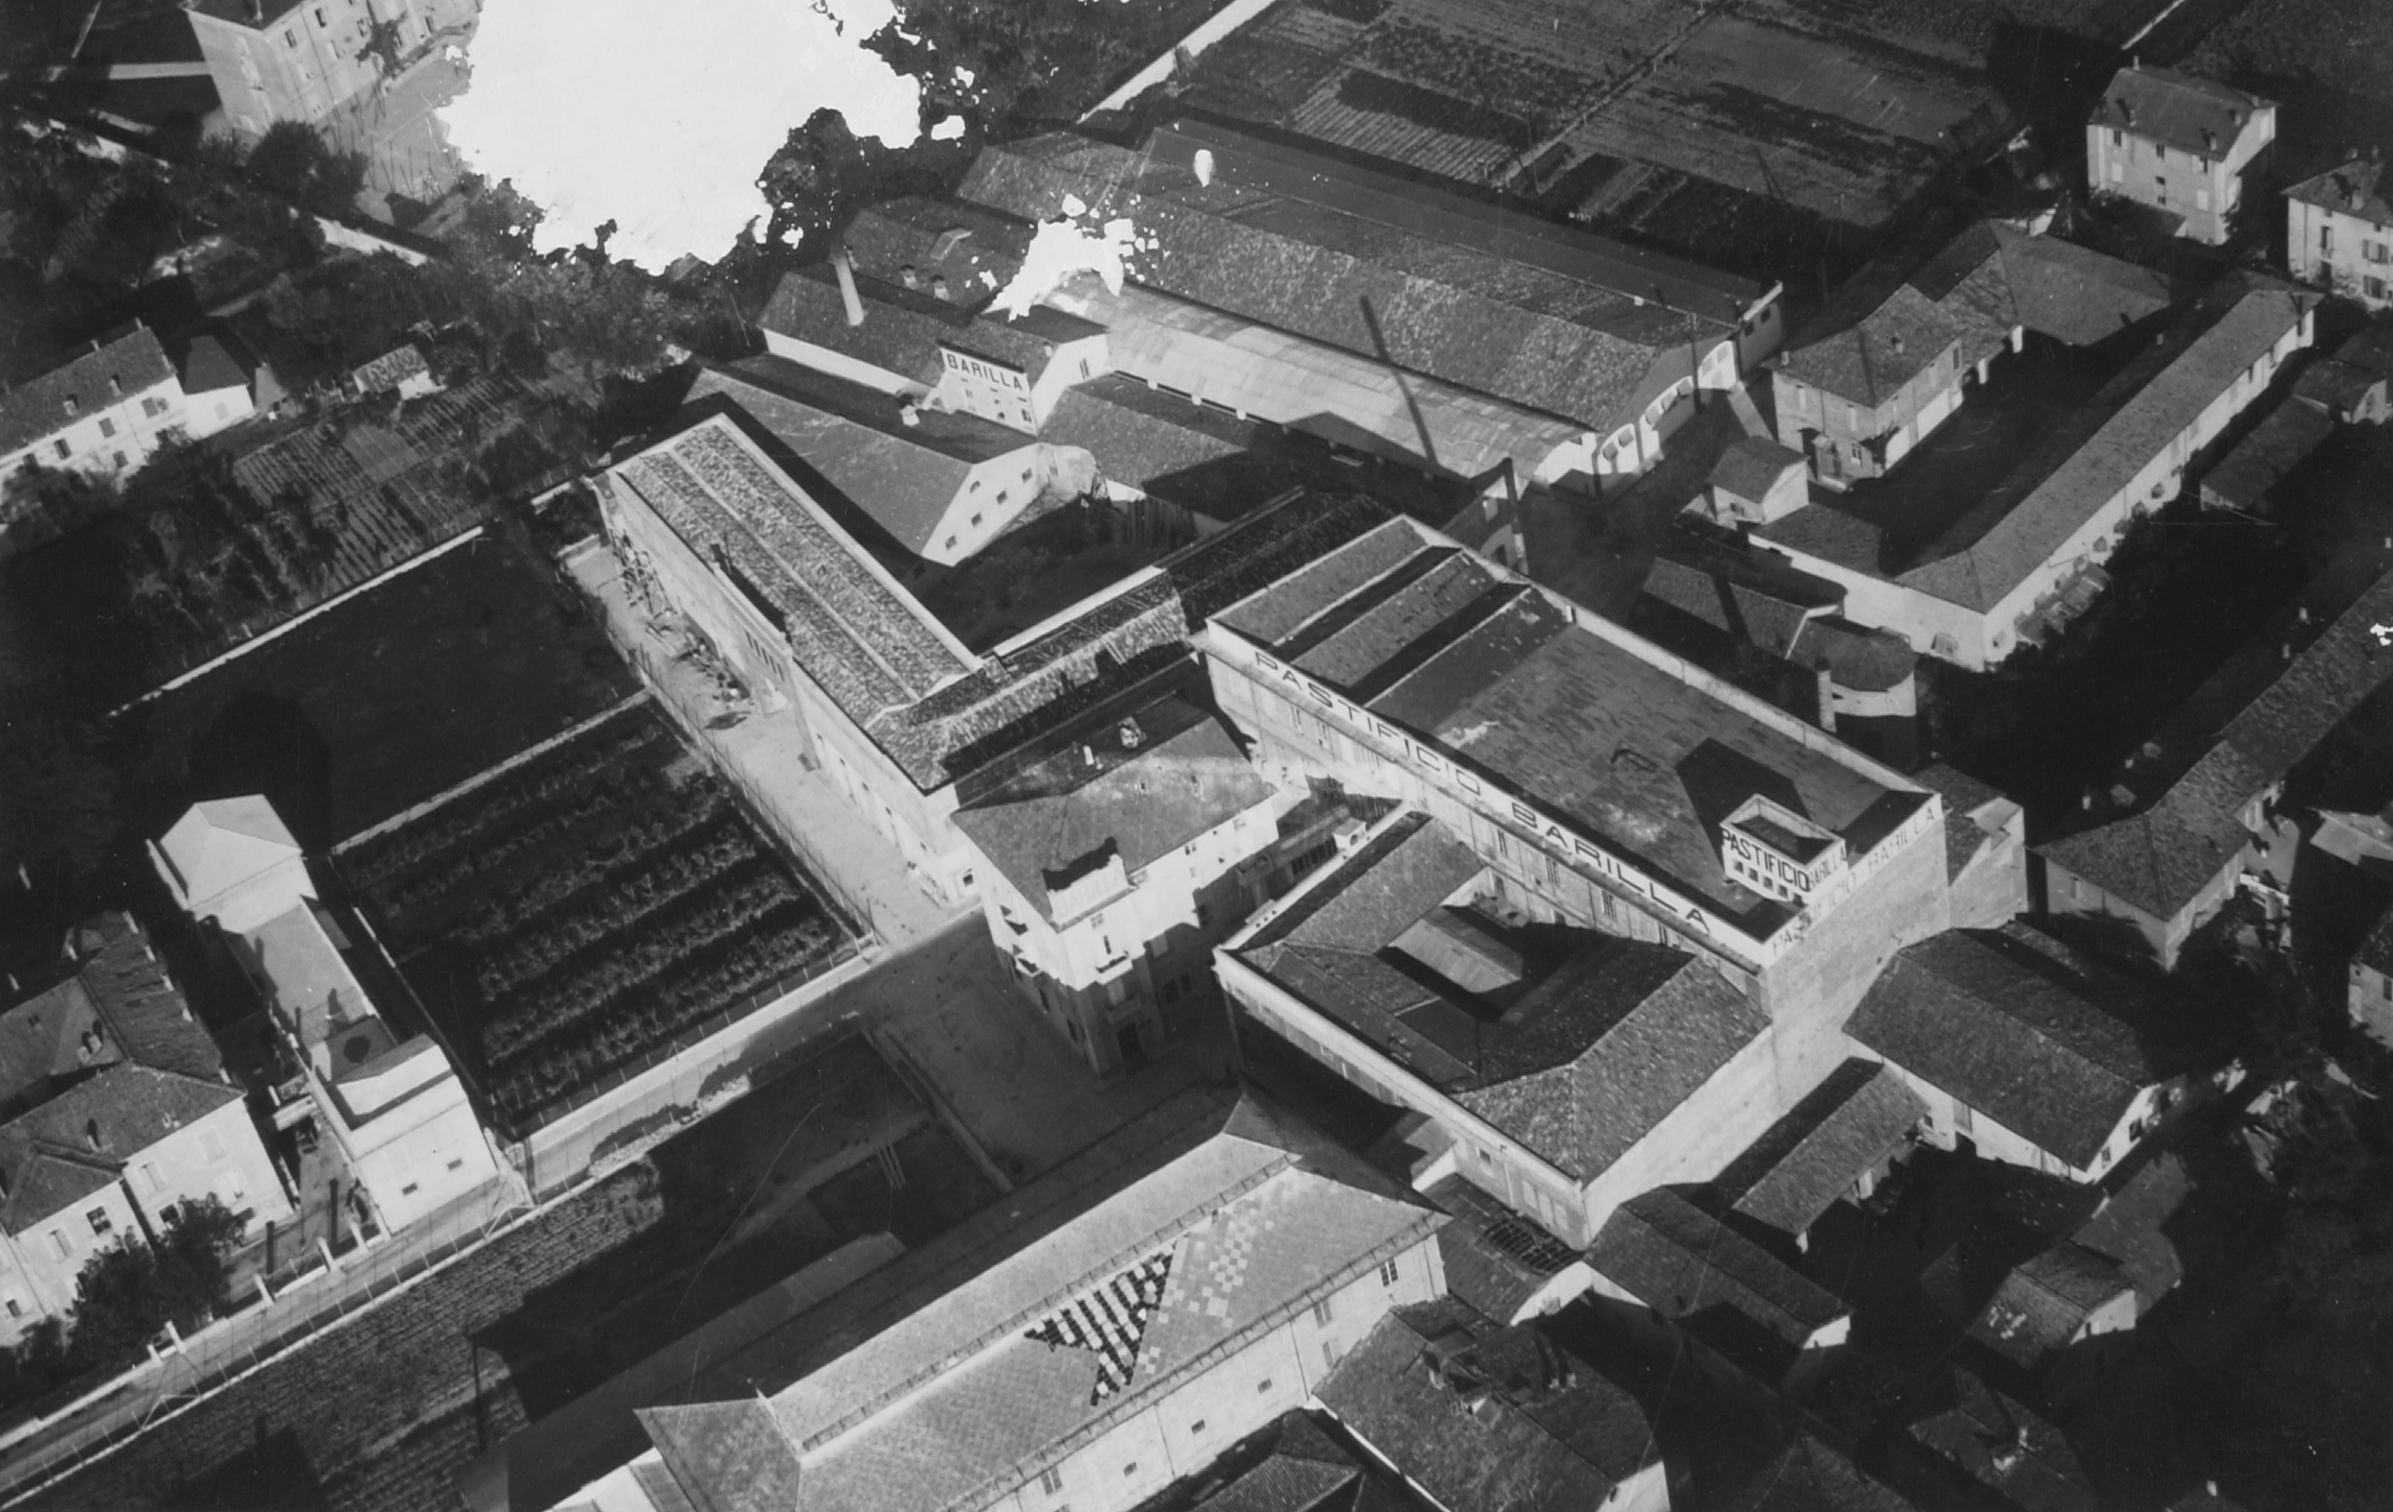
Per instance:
{"type": "Point", "coordinates": [2183, 145]}
{"type": "Point", "coordinates": [2370, 993]}
{"type": "Point", "coordinates": [223, 385]}
{"type": "Point", "coordinates": [392, 1104]}
{"type": "Point", "coordinates": [104, 411]}
{"type": "Point", "coordinates": [296, 60]}
{"type": "Point", "coordinates": [1507, 1266]}
{"type": "Point", "coordinates": [2347, 392]}
{"type": "Point", "coordinates": [1115, 1347]}
{"type": "Point", "coordinates": [1979, 1447]}
{"type": "Point", "coordinates": [1114, 854]}
{"type": "Point", "coordinates": [2339, 231]}
{"type": "Point", "coordinates": [2026, 1053]}
{"type": "Point", "coordinates": [401, 370]}
{"type": "Point", "coordinates": [2023, 558]}
{"type": "Point", "coordinates": [1606, 784]}
{"type": "Point", "coordinates": [1882, 368]}
{"type": "Point", "coordinates": [716, 533]}
{"type": "Point", "coordinates": [1985, 848]}
{"type": "Point", "coordinates": [1544, 316]}
{"type": "Point", "coordinates": [1834, 1146]}
{"type": "Point", "coordinates": [2052, 1300]}
{"type": "Point", "coordinates": [115, 1110]}
{"type": "Point", "coordinates": [1561, 1071]}
{"type": "Point", "coordinates": [2245, 480]}
{"type": "Point", "coordinates": [941, 484]}
{"type": "Point", "coordinates": [958, 252]}
{"type": "Point", "coordinates": [2193, 810]}
{"type": "Point", "coordinates": [1756, 480]}
{"type": "Point", "coordinates": [1483, 1417]}
{"type": "Point", "coordinates": [1732, 1299]}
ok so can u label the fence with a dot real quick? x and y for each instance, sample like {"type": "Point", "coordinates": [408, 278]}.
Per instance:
{"type": "Point", "coordinates": [35, 1451]}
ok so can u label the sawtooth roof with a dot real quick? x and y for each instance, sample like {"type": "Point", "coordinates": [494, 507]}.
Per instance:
{"type": "Point", "coordinates": [2194, 115]}
{"type": "Point", "coordinates": [2001, 540]}
{"type": "Point", "coordinates": [985, 1385]}
{"type": "Point", "coordinates": [132, 359]}
{"type": "Point", "coordinates": [1508, 682]}
{"type": "Point", "coordinates": [2024, 1031]}
{"type": "Point", "coordinates": [1807, 1160]}
{"type": "Point", "coordinates": [2234, 738]}
{"type": "Point", "coordinates": [1549, 1430]}
{"type": "Point", "coordinates": [1185, 777]}
{"type": "Point", "coordinates": [1720, 1286]}
{"type": "Point", "coordinates": [1284, 253]}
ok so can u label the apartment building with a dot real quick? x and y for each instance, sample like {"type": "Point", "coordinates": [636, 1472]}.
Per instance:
{"type": "Point", "coordinates": [2189, 147]}
{"type": "Point", "coordinates": [103, 411]}
{"type": "Point", "coordinates": [2339, 231]}
{"type": "Point", "coordinates": [295, 60]}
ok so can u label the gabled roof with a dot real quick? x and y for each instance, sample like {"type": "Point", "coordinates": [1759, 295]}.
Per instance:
{"type": "Point", "coordinates": [2237, 735]}
{"type": "Point", "coordinates": [1869, 361]}
{"type": "Point", "coordinates": [2045, 1301]}
{"type": "Point", "coordinates": [975, 248]}
{"type": "Point", "coordinates": [2196, 115]}
{"type": "Point", "coordinates": [132, 360]}
{"type": "Point", "coordinates": [220, 843]}
{"type": "Point", "coordinates": [1807, 1160]}
{"type": "Point", "coordinates": [985, 1385]}
{"type": "Point", "coordinates": [1284, 251]}
{"type": "Point", "coordinates": [2337, 384]}
{"type": "Point", "coordinates": [1720, 1286]}
{"type": "Point", "coordinates": [1487, 1418]}
{"type": "Point", "coordinates": [2358, 188]}
{"type": "Point", "coordinates": [2023, 1031]}
{"type": "Point", "coordinates": [2135, 1225]}
{"type": "Point", "coordinates": [1987, 1438]}
{"type": "Point", "coordinates": [1495, 1259]}
{"type": "Point", "coordinates": [47, 1157]}
{"type": "Point", "coordinates": [1809, 1476]}
{"type": "Point", "coordinates": [1305, 1470]}
{"type": "Point", "coordinates": [1963, 796]}
{"type": "Point", "coordinates": [1751, 464]}
{"type": "Point", "coordinates": [903, 329]}
{"type": "Point", "coordinates": [209, 365]}
{"type": "Point", "coordinates": [2281, 442]}
{"type": "Point", "coordinates": [905, 476]}
{"type": "Point", "coordinates": [1183, 777]}
{"type": "Point", "coordinates": [2370, 348]}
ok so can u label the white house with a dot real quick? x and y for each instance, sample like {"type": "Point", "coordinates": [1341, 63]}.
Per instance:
{"type": "Point", "coordinates": [118, 1110]}
{"type": "Point", "coordinates": [103, 411]}
{"type": "Point", "coordinates": [2179, 144]}
{"type": "Point", "coordinates": [2339, 232]}
{"type": "Point", "coordinates": [393, 1106]}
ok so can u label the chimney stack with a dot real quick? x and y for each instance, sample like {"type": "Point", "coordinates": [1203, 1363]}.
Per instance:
{"type": "Point", "coordinates": [845, 272]}
{"type": "Point", "coordinates": [1204, 165]}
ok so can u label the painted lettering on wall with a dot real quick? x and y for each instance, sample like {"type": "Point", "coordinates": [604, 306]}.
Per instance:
{"type": "Point", "coordinates": [988, 372]}
{"type": "Point", "coordinates": [1768, 862]}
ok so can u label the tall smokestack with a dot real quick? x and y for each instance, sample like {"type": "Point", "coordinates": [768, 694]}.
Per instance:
{"type": "Point", "coordinates": [847, 285]}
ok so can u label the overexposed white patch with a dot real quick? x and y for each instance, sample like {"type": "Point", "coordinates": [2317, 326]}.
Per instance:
{"type": "Point", "coordinates": [948, 130]}
{"type": "Point", "coordinates": [659, 118]}
{"type": "Point", "coordinates": [1061, 249]}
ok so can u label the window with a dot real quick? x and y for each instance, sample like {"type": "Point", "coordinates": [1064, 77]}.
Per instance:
{"type": "Point", "coordinates": [1388, 1274]}
{"type": "Point", "coordinates": [1051, 1480]}
{"type": "Point", "coordinates": [64, 450]}
{"type": "Point", "coordinates": [153, 408]}
{"type": "Point", "coordinates": [118, 459]}
{"type": "Point", "coordinates": [107, 426]}
{"type": "Point", "coordinates": [16, 1309]}
{"type": "Point", "coordinates": [2201, 199]}
{"type": "Point", "coordinates": [1963, 1119]}
{"type": "Point", "coordinates": [99, 1220]}
{"type": "Point", "coordinates": [1323, 1311]}
{"type": "Point", "coordinates": [2160, 188]}
{"type": "Point", "coordinates": [2372, 251]}
{"type": "Point", "coordinates": [320, 16]}
{"type": "Point", "coordinates": [951, 540]}
{"type": "Point", "coordinates": [290, 38]}
{"type": "Point", "coordinates": [457, 1164]}
{"type": "Point", "coordinates": [1025, 474]}
{"type": "Point", "coordinates": [1130, 1469]}
{"type": "Point", "coordinates": [2118, 173]}
{"type": "Point", "coordinates": [408, 1190]}
{"type": "Point", "coordinates": [1204, 915]}
{"type": "Point", "coordinates": [2118, 138]}
{"type": "Point", "coordinates": [2326, 238]}
{"type": "Point", "coordinates": [2160, 154]}
{"type": "Point", "coordinates": [1197, 1427]}
{"type": "Point", "coordinates": [151, 1181]}
{"type": "Point", "coordinates": [61, 1243]}
{"type": "Point", "coordinates": [2374, 286]}
{"type": "Point", "coordinates": [976, 519]}
{"type": "Point", "coordinates": [1329, 1353]}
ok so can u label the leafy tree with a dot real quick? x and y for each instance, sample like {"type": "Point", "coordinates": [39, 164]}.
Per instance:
{"type": "Point", "coordinates": [127, 1294]}
{"type": "Point", "coordinates": [824, 172]}
{"type": "Point", "coordinates": [293, 161]}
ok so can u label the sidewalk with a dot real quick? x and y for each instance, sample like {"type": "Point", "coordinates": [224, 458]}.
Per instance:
{"type": "Point", "coordinates": [823, 827]}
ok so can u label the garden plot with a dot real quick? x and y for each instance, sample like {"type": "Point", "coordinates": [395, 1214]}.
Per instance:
{"type": "Point", "coordinates": [588, 911]}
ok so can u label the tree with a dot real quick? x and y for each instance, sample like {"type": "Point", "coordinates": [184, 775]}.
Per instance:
{"type": "Point", "coordinates": [291, 160]}
{"type": "Point", "coordinates": [128, 1293]}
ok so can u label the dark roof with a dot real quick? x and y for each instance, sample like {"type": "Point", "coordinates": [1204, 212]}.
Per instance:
{"type": "Point", "coordinates": [46, 1154]}
{"type": "Point", "coordinates": [2003, 538]}
{"type": "Point", "coordinates": [1720, 1286]}
{"type": "Point", "coordinates": [1807, 1160]}
{"type": "Point", "coordinates": [1870, 360]}
{"type": "Point", "coordinates": [2045, 1301]}
{"type": "Point", "coordinates": [1495, 1259]}
{"type": "Point", "coordinates": [2022, 1030]}
{"type": "Point", "coordinates": [131, 359]}
{"type": "Point", "coordinates": [978, 250]}
{"type": "Point", "coordinates": [2238, 735]}
{"type": "Point", "coordinates": [904, 328]}
{"type": "Point", "coordinates": [267, 12]}
{"type": "Point", "coordinates": [2356, 188]}
{"type": "Point", "coordinates": [1963, 796]}
{"type": "Point", "coordinates": [1859, 657]}
{"type": "Point", "coordinates": [1987, 1438]}
{"type": "Point", "coordinates": [905, 476]}
{"type": "Point", "coordinates": [2337, 384]}
{"type": "Point", "coordinates": [2281, 442]}
{"type": "Point", "coordinates": [2134, 1225]}
{"type": "Point", "coordinates": [1547, 1430]}
{"type": "Point", "coordinates": [209, 365]}
{"type": "Point", "coordinates": [2370, 349]}
{"type": "Point", "coordinates": [1356, 269]}
{"type": "Point", "coordinates": [2053, 287]}
{"type": "Point", "coordinates": [1757, 596]}
{"type": "Point", "coordinates": [1098, 795]}
{"type": "Point", "coordinates": [2196, 115]}
{"type": "Point", "coordinates": [1809, 1476]}
{"type": "Point", "coordinates": [1304, 1469]}
{"type": "Point", "coordinates": [1532, 694]}
{"type": "Point", "coordinates": [1751, 464]}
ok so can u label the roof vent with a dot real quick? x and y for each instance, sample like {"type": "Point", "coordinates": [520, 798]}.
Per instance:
{"type": "Point", "coordinates": [116, 387]}
{"type": "Point", "coordinates": [909, 276]}
{"type": "Point", "coordinates": [939, 285]}
{"type": "Point", "coordinates": [1896, 342]}
{"type": "Point", "coordinates": [74, 406]}
{"type": "Point", "coordinates": [2126, 111]}
{"type": "Point", "coordinates": [91, 1134]}
{"type": "Point", "coordinates": [1132, 736]}
{"type": "Point", "coordinates": [909, 413]}
{"type": "Point", "coordinates": [2210, 142]}
{"type": "Point", "coordinates": [1088, 755]}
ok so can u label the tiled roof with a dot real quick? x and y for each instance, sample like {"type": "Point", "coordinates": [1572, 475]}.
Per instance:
{"type": "Point", "coordinates": [980, 1388]}
{"type": "Point", "coordinates": [2045, 1301]}
{"type": "Point", "coordinates": [1755, 596]}
{"type": "Point", "coordinates": [1859, 657]}
{"type": "Point", "coordinates": [2021, 1030]}
{"type": "Point", "coordinates": [119, 1007]}
{"type": "Point", "coordinates": [1987, 1438]}
{"type": "Point", "coordinates": [1184, 778]}
{"type": "Point", "coordinates": [2135, 1223]}
{"type": "Point", "coordinates": [1304, 1470]}
{"type": "Point", "coordinates": [46, 1153]}
{"type": "Point", "coordinates": [220, 843]}
{"type": "Point", "coordinates": [2370, 349]}
{"type": "Point", "coordinates": [2196, 115]}
{"type": "Point", "coordinates": [2337, 384]}
{"type": "Point", "coordinates": [2358, 188]}
{"type": "Point", "coordinates": [904, 476]}
{"type": "Point", "coordinates": [2281, 442]}
{"type": "Point", "coordinates": [1495, 1259]}
{"type": "Point", "coordinates": [1963, 796]}
{"type": "Point", "coordinates": [1517, 687]}
{"type": "Point", "coordinates": [903, 328]}
{"type": "Point", "coordinates": [1486, 1418]}
{"type": "Point", "coordinates": [1286, 256]}
{"type": "Point", "coordinates": [1807, 1160]}
{"type": "Point", "coordinates": [1993, 277]}
{"type": "Point", "coordinates": [1870, 360]}
{"type": "Point", "coordinates": [1687, 1265]}
{"type": "Point", "coordinates": [209, 366]}
{"type": "Point", "coordinates": [33, 409]}
{"type": "Point", "coordinates": [2001, 540]}
{"type": "Point", "coordinates": [922, 233]}
{"type": "Point", "coordinates": [1751, 464]}
{"type": "Point", "coordinates": [2162, 856]}
{"type": "Point", "coordinates": [1809, 1476]}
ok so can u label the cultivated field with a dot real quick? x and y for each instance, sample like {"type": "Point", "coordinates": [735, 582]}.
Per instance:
{"type": "Point", "coordinates": [588, 910]}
